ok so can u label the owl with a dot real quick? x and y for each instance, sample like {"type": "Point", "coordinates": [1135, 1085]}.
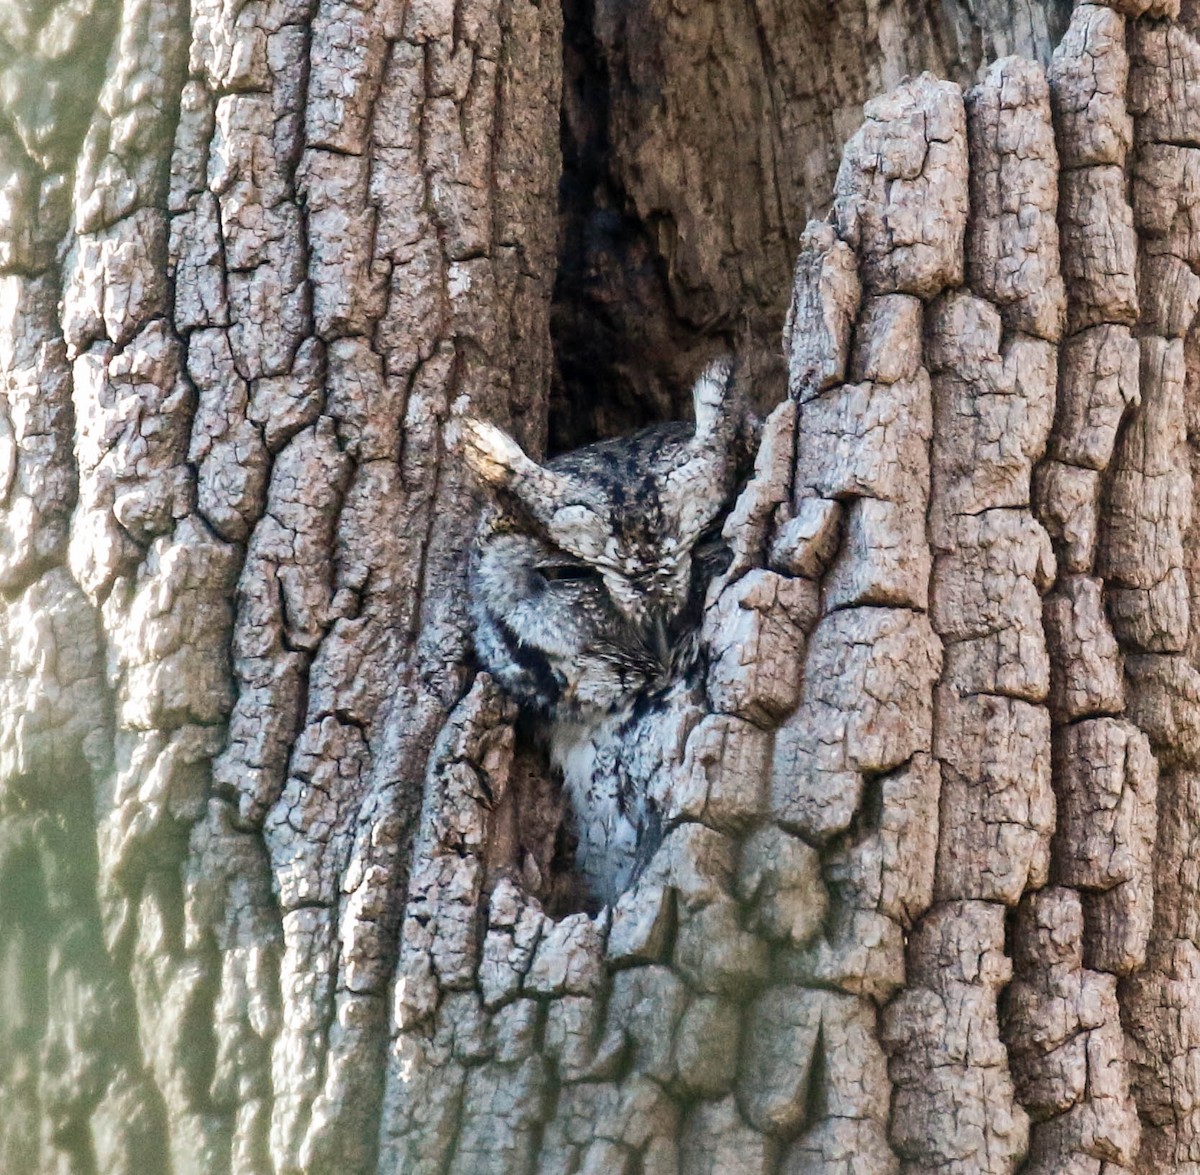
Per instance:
{"type": "Point", "coordinates": [587, 586]}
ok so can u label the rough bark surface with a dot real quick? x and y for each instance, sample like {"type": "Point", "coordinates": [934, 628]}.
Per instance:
{"type": "Point", "coordinates": [276, 890]}
{"type": "Point", "coordinates": [698, 141]}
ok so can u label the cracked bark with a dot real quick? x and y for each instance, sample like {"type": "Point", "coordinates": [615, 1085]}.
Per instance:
{"type": "Point", "coordinates": [278, 890]}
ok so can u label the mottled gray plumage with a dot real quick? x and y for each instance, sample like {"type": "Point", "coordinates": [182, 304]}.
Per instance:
{"type": "Point", "coordinates": [587, 584]}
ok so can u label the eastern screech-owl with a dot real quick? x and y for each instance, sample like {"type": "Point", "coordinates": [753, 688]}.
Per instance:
{"type": "Point", "coordinates": [587, 586]}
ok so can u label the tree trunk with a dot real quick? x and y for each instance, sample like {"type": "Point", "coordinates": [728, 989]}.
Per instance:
{"type": "Point", "coordinates": [278, 888]}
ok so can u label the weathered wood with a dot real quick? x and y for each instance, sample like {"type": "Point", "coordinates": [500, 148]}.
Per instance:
{"type": "Point", "coordinates": [282, 886]}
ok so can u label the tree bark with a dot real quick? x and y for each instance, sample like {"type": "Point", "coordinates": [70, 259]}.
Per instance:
{"type": "Point", "coordinates": [277, 882]}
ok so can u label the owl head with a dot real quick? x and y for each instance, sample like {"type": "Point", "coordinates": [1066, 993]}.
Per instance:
{"type": "Point", "coordinates": [628, 512]}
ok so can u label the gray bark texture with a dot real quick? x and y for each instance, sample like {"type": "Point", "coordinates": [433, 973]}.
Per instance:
{"type": "Point", "coordinates": [273, 857]}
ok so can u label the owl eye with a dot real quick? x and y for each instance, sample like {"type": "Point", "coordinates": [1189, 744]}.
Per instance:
{"type": "Point", "coordinates": [568, 517]}
{"type": "Point", "coordinates": [563, 572]}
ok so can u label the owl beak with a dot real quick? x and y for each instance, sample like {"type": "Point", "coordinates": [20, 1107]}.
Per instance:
{"type": "Point", "coordinates": [659, 640]}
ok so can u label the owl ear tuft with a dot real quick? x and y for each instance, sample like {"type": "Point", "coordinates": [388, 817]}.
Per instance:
{"type": "Point", "coordinates": [491, 454]}
{"type": "Point", "coordinates": [709, 460]}
{"type": "Point", "coordinates": [498, 461]}
{"type": "Point", "coordinates": [711, 396]}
